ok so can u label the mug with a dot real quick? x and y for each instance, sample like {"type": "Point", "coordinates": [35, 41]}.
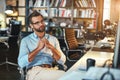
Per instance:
{"type": "Point", "coordinates": [90, 63]}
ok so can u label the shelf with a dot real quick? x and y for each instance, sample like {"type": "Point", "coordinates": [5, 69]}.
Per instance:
{"type": "Point", "coordinates": [84, 18]}
{"type": "Point", "coordinates": [85, 8]}
{"type": "Point", "coordinates": [38, 7]}
{"type": "Point", "coordinates": [70, 12]}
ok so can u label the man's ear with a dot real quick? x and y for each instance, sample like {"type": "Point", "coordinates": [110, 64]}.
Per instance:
{"type": "Point", "coordinates": [31, 25]}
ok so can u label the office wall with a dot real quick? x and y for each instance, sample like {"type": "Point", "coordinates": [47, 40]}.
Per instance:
{"type": "Point", "coordinates": [115, 10]}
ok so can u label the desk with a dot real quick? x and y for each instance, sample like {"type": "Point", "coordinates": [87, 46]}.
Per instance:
{"type": "Point", "coordinates": [100, 58]}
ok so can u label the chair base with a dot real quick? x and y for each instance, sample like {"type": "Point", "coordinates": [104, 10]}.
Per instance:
{"type": "Point", "coordinates": [7, 62]}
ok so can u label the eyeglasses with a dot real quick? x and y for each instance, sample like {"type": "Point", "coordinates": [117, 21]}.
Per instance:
{"type": "Point", "coordinates": [38, 22]}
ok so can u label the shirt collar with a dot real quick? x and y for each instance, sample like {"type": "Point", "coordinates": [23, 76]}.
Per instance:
{"type": "Point", "coordinates": [46, 36]}
{"type": "Point", "coordinates": [35, 35]}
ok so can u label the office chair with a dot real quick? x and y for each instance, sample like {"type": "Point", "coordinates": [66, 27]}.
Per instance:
{"type": "Point", "coordinates": [11, 43]}
{"type": "Point", "coordinates": [74, 50]}
{"type": "Point", "coordinates": [23, 71]}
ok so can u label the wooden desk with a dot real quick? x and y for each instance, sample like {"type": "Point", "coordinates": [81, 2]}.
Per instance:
{"type": "Point", "coordinates": [100, 58]}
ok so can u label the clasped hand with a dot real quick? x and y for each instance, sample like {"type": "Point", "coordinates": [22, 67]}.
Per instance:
{"type": "Point", "coordinates": [44, 43]}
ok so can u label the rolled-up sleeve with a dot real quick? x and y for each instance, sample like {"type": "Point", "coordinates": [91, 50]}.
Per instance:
{"type": "Point", "coordinates": [23, 54]}
{"type": "Point", "coordinates": [62, 60]}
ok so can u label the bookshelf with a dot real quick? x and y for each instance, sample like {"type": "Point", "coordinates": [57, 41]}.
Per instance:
{"type": "Point", "coordinates": [66, 13]}
{"type": "Point", "coordinates": [86, 11]}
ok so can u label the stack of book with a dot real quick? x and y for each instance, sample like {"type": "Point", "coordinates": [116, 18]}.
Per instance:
{"type": "Point", "coordinates": [85, 3]}
{"type": "Point", "coordinates": [84, 13]}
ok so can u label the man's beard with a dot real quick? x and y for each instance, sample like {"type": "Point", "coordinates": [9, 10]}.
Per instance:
{"type": "Point", "coordinates": [39, 30]}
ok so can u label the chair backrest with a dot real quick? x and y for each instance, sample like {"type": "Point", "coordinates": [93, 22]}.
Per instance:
{"type": "Point", "coordinates": [3, 46]}
{"type": "Point", "coordinates": [70, 39]}
{"type": "Point", "coordinates": [15, 27]}
{"type": "Point", "coordinates": [21, 36]}
{"type": "Point", "coordinates": [14, 31]}
{"type": "Point", "coordinates": [24, 34]}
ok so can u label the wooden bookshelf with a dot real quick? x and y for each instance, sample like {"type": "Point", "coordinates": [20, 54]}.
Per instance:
{"type": "Point", "coordinates": [66, 12]}
{"type": "Point", "coordinates": [85, 11]}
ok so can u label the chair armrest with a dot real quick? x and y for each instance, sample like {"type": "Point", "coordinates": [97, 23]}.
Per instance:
{"type": "Point", "coordinates": [81, 46]}
{"type": "Point", "coordinates": [61, 66]}
{"type": "Point", "coordinates": [85, 47]}
{"type": "Point", "coordinates": [22, 72]}
{"type": "Point", "coordinates": [74, 55]}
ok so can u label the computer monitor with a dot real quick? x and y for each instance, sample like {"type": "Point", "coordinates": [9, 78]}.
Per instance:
{"type": "Point", "coordinates": [116, 56]}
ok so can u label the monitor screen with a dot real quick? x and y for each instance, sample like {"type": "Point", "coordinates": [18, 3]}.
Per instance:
{"type": "Point", "coordinates": [116, 57]}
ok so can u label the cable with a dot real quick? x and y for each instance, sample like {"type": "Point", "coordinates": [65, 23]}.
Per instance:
{"type": "Point", "coordinates": [107, 73]}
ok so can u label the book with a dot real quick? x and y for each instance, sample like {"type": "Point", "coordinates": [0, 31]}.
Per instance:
{"type": "Point", "coordinates": [59, 3]}
{"type": "Point", "coordinates": [89, 3]}
{"type": "Point", "coordinates": [94, 4]}
{"type": "Point", "coordinates": [42, 2]}
{"type": "Point", "coordinates": [68, 13]}
{"type": "Point", "coordinates": [38, 3]}
{"type": "Point", "coordinates": [65, 12]}
{"type": "Point", "coordinates": [52, 3]}
{"type": "Point", "coordinates": [80, 3]}
{"type": "Point", "coordinates": [77, 4]}
{"type": "Point", "coordinates": [44, 13]}
{"type": "Point", "coordinates": [69, 3]}
{"type": "Point", "coordinates": [83, 12]}
{"type": "Point", "coordinates": [79, 12]}
{"type": "Point", "coordinates": [92, 13]}
{"type": "Point", "coordinates": [62, 12]}
{"type": "Point", "coordinates": [83, 3]}
{"type": "Point", "coordinates": [53, 12]}
{"type": "Point", "coordinates": [64, 3]}
{"type": "Point", "coordinates": [56, 3]}
{"type": "Point", "coordinates": [45, 3]}
{"type": "Point", "coordinates": [75, 13]}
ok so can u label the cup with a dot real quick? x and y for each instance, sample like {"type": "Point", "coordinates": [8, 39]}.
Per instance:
{"type": "Point", "coordinates": [90, 63]}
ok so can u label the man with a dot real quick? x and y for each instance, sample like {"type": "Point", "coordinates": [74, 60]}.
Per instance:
{"type": "Point", "coordinates": [39, 50]}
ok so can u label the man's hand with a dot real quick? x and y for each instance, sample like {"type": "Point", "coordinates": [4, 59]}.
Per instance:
{"type": "Point", "coordinates": [41, 44]}
{"type": "Point", "coordinates": [56, 53]}
{"type": "Point", "coordinates": [47, 44]}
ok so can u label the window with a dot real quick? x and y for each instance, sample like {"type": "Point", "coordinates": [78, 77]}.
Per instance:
{"type": "Point", "coordinates": [106, 9]}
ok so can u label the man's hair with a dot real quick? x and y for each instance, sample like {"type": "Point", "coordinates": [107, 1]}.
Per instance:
{"type": "Point", "coordinates": [34, 14]}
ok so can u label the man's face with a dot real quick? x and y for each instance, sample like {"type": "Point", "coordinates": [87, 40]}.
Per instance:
{"type": "Point", "coordinates": [38, 24]}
